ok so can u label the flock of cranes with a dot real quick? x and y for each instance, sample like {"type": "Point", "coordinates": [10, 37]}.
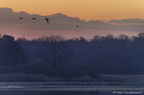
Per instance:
{"type": "Point", "coordinates": [47, 20]}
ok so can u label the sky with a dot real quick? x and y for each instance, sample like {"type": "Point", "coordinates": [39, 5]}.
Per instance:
{"type": "Point", "coordinates": [94, 17]}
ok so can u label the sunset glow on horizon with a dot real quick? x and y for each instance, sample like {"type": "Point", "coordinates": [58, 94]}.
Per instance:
{"type": "Point", "coordinates": [86, 9]}
{"type": "Point", "coordinates": [94, 17]}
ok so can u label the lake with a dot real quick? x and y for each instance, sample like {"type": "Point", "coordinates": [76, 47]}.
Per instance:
{"type": "Point", "coordinates": [70, 90]}
{"type": "Point", "coordinates": [4, 92]}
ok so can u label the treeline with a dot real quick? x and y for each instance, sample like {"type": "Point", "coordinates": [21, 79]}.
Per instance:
{"type": "Point", "coordinates": [56, 56]}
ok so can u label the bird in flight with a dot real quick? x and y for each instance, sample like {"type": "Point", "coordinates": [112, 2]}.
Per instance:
{"type": "Point", "coordinates": [47, 20]}
{"type": "Point", "coordinates": [33, 18]}
{"type": "Point", "coordinates": [21, 18]}
{"type": "Point", "coordinates": [77, 26]}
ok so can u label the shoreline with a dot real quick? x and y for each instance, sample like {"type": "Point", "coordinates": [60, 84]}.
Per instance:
{"type": "Point", "coordinates": [71, 83]}
{"type": "Point", "coordinates": [69, 88]}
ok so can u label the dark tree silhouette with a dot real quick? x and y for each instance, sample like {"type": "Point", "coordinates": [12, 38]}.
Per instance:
{"type": "Point", "coordinates": [102, 54]}
{"type": "Point", "coordinates": [11, 52]}
{"type": "Point", "coordinates": [58, 50]}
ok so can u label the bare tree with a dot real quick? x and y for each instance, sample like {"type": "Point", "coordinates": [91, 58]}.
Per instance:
{"type": "Point", "coordinates": [56, 50]}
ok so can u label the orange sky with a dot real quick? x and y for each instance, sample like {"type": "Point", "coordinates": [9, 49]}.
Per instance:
{"type": "Point", "coordinates": [84, 9]}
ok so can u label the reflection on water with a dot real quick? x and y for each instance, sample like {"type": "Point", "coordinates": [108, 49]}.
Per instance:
{"type": "Point", "coordinates": [5, 92]}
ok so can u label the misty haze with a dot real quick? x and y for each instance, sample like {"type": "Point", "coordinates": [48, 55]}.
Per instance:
{"type": "Point", "coordinates": [71, 47]}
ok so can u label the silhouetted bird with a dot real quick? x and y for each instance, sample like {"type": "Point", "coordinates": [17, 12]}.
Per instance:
{"type": "Point", "coordinates": [34, 18]}
{"type": "Point", "coordinates": [47, 20]}
{"type": "Point", "coordinates": [77, 26]}
{"type": "Point", "coordinates": [20, 17]}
